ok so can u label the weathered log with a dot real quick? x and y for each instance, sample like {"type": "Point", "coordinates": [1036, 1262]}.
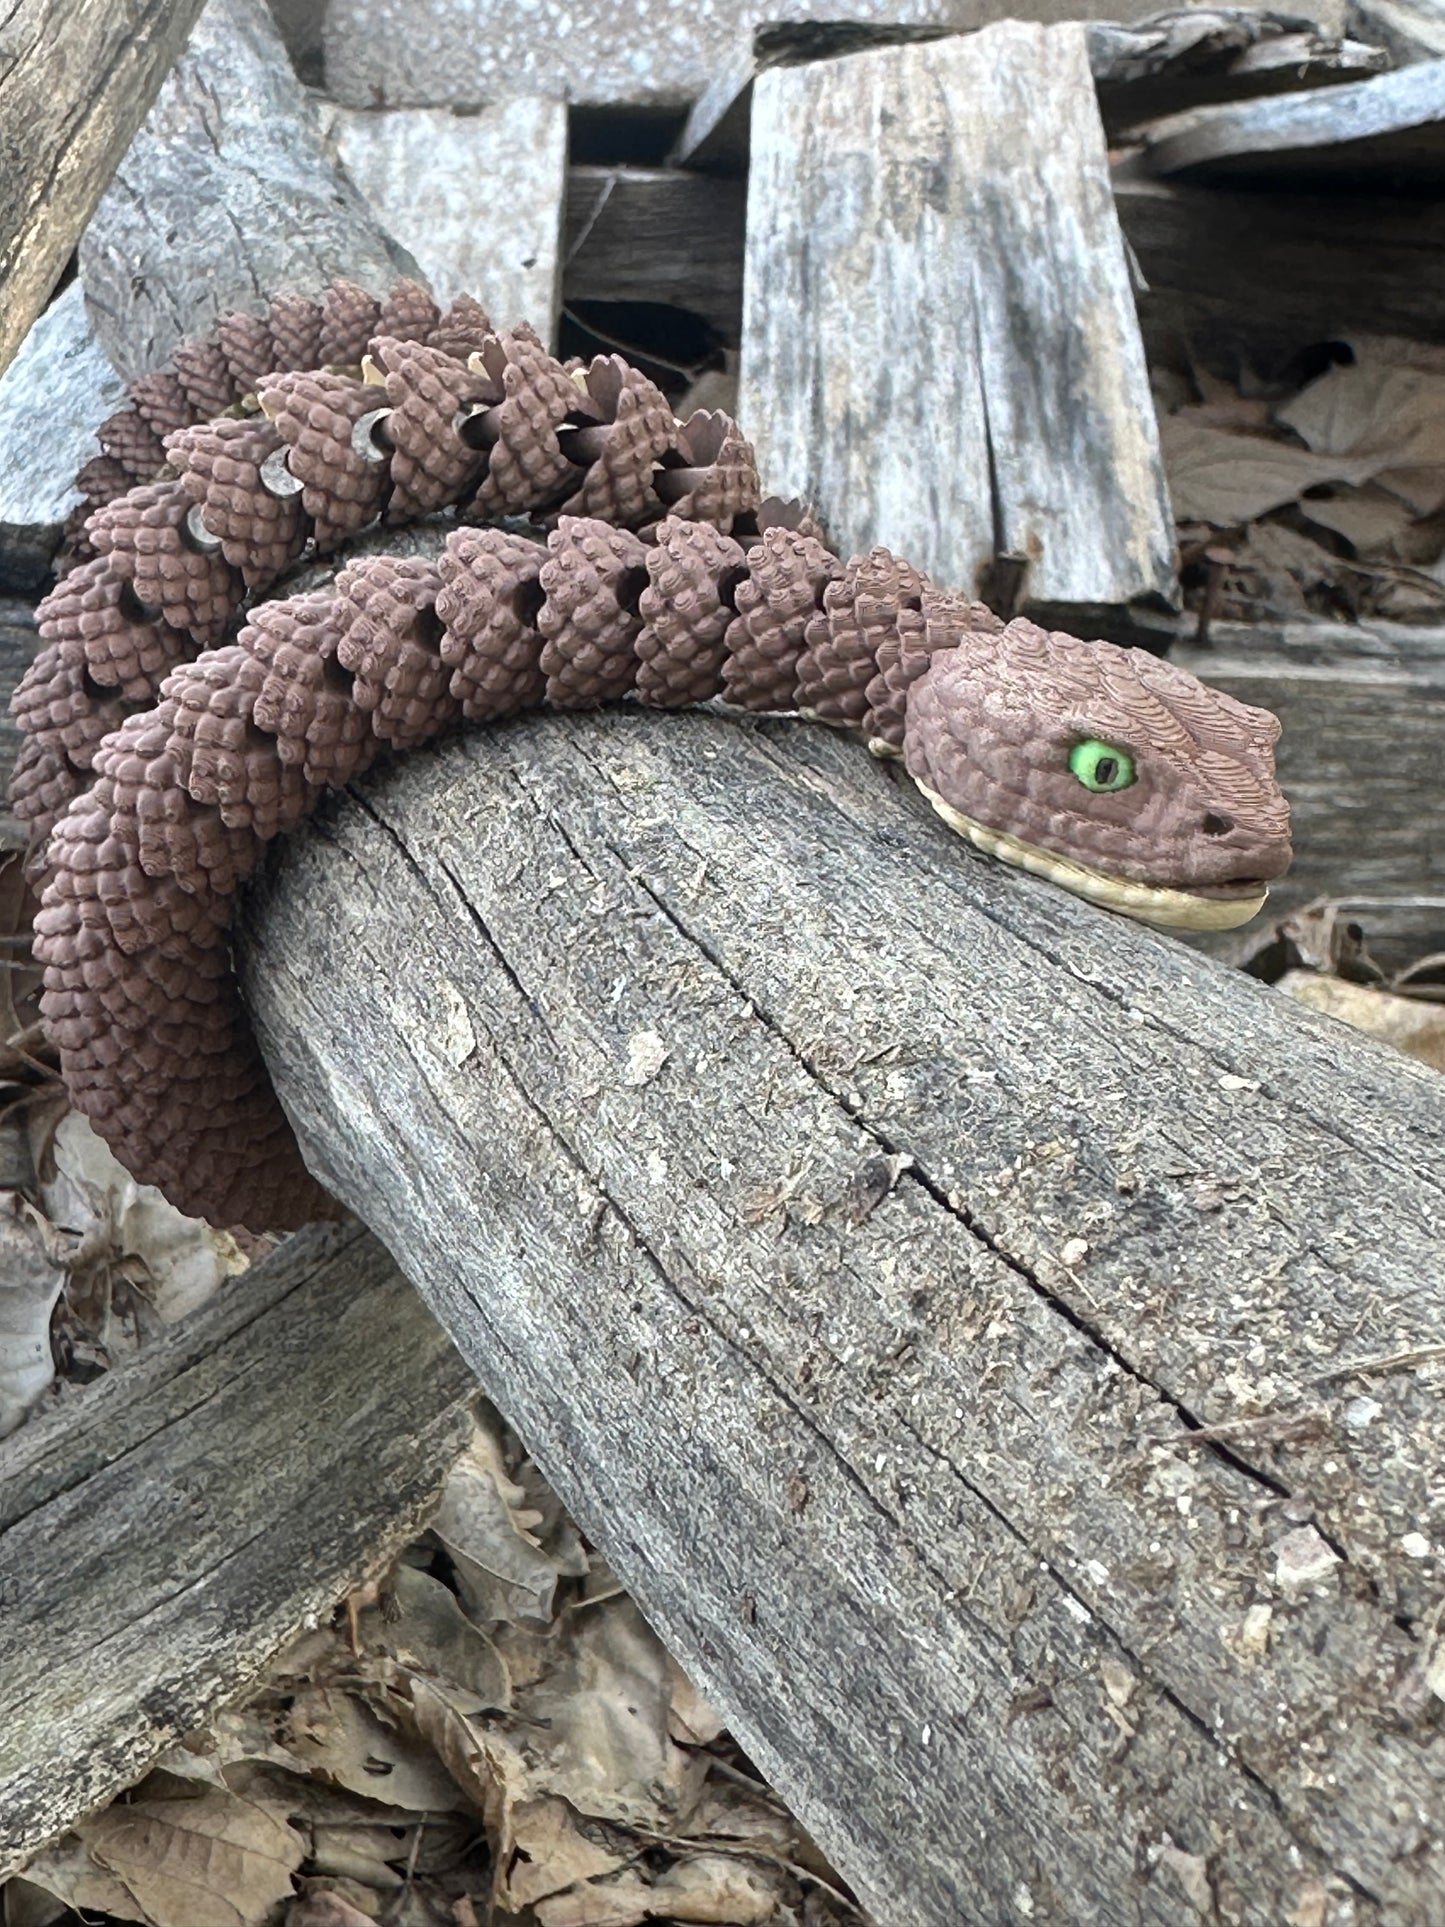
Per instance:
{"type": "Point", "coordinates": [226, 195]}
{"type": "Point", "coordinates": [19, 640]}
{"type": "Point", "coordinates": [940, 347]}
{"type": "Point", "coordinates": [998, 1347]}
{"type": "Point", "coordinates": [76, 79]}
{"type": "Point", "coordinates": [53, 397]}
{"type": "Point", "coordinates": [162, 1537]}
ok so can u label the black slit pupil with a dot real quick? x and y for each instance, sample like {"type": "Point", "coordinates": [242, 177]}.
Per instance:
{"type": "Point", "coordinates": [1106, 769]}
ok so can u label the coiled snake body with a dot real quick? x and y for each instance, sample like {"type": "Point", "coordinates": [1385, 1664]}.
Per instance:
{"type": "Point", "coordinates": [153, 776]}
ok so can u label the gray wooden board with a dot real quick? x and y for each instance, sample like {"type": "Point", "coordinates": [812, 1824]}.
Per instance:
{"type": "Point", "coordinates": [1290, 269]}
{"type": "Point", "coordinates": [656, 234]}
{"type": "Point", "coordinates": [1389, 132]}
{"type": "Point", "coordinates": [76, 78]}
{"type": "Point", "coordinates": [1361, 758]}
{"type": "Point", "coordinates": [612, 1024]}
{"type": "Point", "coordinates": [18, 643]}
{"type": "Point", "coordinates": [1160, 64]}
{"type": "Point", "coordinates": [166, 1533]}
{"type": "Point", "coordinates": [1411, 29]}
{"type": "Point", "coordinates": [939, 341]}
{"type": "Point", "coordinates": [225, 196]}
{"type": "Point", "coordinates": [476, 198]}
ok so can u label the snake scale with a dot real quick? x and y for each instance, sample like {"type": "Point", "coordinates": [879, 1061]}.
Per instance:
{"type": "Point", "coordinates": [174, 722]}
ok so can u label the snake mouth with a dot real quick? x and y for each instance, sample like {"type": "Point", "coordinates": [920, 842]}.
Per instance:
{"type": "Point", "coordinates": [1216, 906]}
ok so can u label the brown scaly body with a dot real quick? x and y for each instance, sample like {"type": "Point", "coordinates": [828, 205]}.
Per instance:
{"type": "Point", "coordinates": [160, 779]}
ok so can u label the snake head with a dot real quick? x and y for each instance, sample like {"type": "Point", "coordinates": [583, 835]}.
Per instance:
{"type": "Point", "coordinates": [1112, 772]}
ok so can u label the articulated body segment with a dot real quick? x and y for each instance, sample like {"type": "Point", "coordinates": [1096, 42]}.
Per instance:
{"type": "Point", "coordinates": [662, 576]}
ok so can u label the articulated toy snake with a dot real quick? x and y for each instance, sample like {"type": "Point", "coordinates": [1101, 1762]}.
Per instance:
{"type": "Point", "coordinates": [152, 776]}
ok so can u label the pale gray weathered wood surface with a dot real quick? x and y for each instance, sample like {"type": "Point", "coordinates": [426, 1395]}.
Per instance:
{"type": "Point", "coordinates": [616, 1027]}
{"type": "Point", "coordinates": [476, 198]}
{"type": "Point", "coordinates": [939, 341]}
{"type": "Point", "coordinates": [226, 195]}
{"type": "Point", "coordinates": [1389, 131]}
{"type": "Point", "coordinates": [1361, 755]}
{"type": "Point", "coordinates": [164, 1535]}
{"type": "Point", "coordinates": [76, 78]}
{"type": "Point", "coordinates": [1169, 60]}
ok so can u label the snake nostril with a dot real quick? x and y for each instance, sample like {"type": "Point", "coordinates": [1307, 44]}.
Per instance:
{"type": "Point", "coordinates": [1217, 825]}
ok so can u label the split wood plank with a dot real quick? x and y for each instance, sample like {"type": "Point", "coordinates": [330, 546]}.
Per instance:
{"type": "Point", "coordinates": [1411, 29]}
{"type": "Point", "coordinates": [168, 1532]}
{"type": "Point", "coordinates": [940, 348]}
{"type": "Point", "coordinates": [1198, 55]}
{"type": "Point", "coordinates": [476, 198]}
{"type": "Point", "coordinates": [226, 195]}
{"type": "Point", "coordinates": [1285, 269]}
{"type": "Point", "coordinates": [76, 80]}
{"type": "Point", "coordinates": [857, 1233]}
{"type": "Point", "coordinates": [1385, 134]}
{"type": "Point", "coordinates": [657, 234]}
{"type": "Point", "coordinates": [1361, 757]}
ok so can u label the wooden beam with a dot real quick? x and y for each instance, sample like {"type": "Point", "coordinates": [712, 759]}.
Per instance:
{"type": "Point", "coordinates": [1360, 758]}
{"type": "Point", "coordinates": [859, 1235]}
{"type": "Point", "coordinates": [226, 195]}
{"type": "Point", "coordinates": [420, 170]}
{"type": "Point", "coordinates": [163, 1536]}
{"type": "Point", "coordinates": [939, 341]}
{"type": "Point", "coordinates": [657, 234]}
{"type": "Point", "coordinates": [1282, 268]}
{"type": "Point", "coordinates": [76, 79]}
{"type": "Point", "coordinates": [1385, 134]}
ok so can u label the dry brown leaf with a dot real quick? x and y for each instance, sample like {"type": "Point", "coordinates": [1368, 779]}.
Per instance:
{"type": "Point", "coordinates": [711, 1888]}
{"type": "Point", "coordinates": [1415, 1028]}
{"type": "Point", "coordinates": [1227, 480]}
{"type": "Point", "coordinates": [69, 1871]}
{"type": "Point", "coordinates": [1373, 410]}
{"type": "Point", "coordinates": [424, 1627]}
{"type": "Point", "coordinates": [33, 1258]}
{"type": "Point", "coordinates": [600, 1717]}
{"type": "Point", "coordinates": [324, 1907]}
{"type": "Point", "coordinates": [175, 1262]}
{"type": "Point", "coordinates": [1371, 521]}
{"type": "Point", "coordinates": [502, 1571]}
{"type": "Point", "coordinates": [692, 1719]}
{"type": "Point", "coordinates": [550, 1853]}
{"type": "Point", "coordinates": [210, 1861]}
{"type": "Point", "coordinates": [332, 1733]}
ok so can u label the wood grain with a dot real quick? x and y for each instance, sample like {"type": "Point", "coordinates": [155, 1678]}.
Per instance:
{"type": "Point", "coordinates": [164, 1535]}
{"type": "Point", "coordinates": [1387, 133]}
{"type": "Point", "coordinates": [226, 195]}
{"type": "Point", "coordinates": [76, 79]}
{"type": "Point", "coordinates": [858, 1233]}
{"type": "Point", "coordinates": [656, 234]}
{"type": "Point", "coordinates": [939, 341]}
{"type": "Point", "coordinates": [1243, 266]}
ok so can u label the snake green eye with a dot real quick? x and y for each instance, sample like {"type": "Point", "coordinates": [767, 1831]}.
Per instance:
{"type": "Point", "coordinates": [1101, 766]}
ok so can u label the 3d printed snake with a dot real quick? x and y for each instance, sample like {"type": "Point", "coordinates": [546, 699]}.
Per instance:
{"type": "Point", "coordinates": [159, 774]}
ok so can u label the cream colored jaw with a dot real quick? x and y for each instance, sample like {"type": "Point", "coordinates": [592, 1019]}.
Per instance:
{"type": "Point", "coordinates": [1175, 909]}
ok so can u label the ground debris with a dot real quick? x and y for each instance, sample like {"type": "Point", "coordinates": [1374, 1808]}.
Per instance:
{"type": "Point", "coordinates": [515, 1745]}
